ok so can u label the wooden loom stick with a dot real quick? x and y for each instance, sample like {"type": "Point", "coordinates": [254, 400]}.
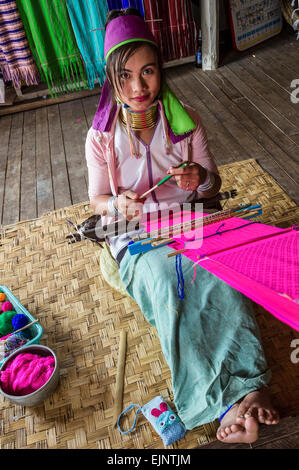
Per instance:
{"type": "Point", "coordinates": [166, 235]}
{"type": "Point", "coordinates": [204, 220]}
{"type": "Point", "coordinates": [120, 376]}
{"type": "Point", "coordinates": [158, 234]}
{"type": "Point", "coordinates": [195, 224]}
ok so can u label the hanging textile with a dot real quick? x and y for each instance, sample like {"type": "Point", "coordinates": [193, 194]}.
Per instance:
{"type": "Point", "coordinates": [88, 21]}
{"type": "Point", "coordinates": [53, 44]}
{"type": "Point", "coordinates": [119, 4]}
{"type": "Point", "coordinates": [16, 60]}
{"type": "Point", "coordinates": [173, 26]}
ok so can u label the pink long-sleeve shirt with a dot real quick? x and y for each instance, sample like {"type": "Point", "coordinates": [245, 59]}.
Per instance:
{"type": "Point", "coordinates": [112, 169]}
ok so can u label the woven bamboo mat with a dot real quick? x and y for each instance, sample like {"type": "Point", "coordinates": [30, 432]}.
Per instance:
{"type": "Point", "coordinates": [82, 317]}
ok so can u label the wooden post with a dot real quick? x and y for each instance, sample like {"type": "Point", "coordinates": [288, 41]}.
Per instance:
{"type": "Point", "coordinates": [210, 34]}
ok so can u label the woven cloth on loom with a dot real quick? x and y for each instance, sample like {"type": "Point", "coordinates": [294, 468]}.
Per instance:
{"type": "Point", "coordinates": [53, 44]}
{"type": "Point", "coordinates": [173, 26]}
{"type": "Point", "coordinates": [62, 286]}
{"type": "Point", "coordinates": [16, 60]}
{"type": "Point", "coordinates": [88, 20]}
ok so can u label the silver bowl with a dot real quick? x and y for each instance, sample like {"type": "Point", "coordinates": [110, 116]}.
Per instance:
{"type": "Point", "coordinates": [46, 390]}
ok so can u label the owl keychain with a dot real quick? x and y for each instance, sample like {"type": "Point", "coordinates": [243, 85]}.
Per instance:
{"type": "Point", "coordinates": [163, 419]}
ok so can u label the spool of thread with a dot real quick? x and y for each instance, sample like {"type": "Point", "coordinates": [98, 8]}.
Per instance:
{"type": "Point", "coordinates": [2, 296]}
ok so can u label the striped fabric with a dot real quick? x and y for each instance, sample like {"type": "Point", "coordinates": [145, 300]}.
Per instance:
{"type": "Point", "coordinates": [88, 20]}
{"type": "Point", "coordinates": [53, 44]}
{"type": "Point", "coordinates": [16, 60]}
{"type": "Point", "coordinates": [172, 24]}
{"type": "Point", "coordinates": [119, 4]}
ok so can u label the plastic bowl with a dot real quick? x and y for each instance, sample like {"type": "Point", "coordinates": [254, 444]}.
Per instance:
{"type": "Point", "coordinates": [46, 390]}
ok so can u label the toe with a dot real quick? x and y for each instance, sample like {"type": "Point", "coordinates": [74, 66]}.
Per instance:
{"type": "Point", "coordinates": [236, 428]}
{"type": "Point", "coordinates": [251, 427]}
{"type": "Point", "coordinates": [261, 415]}
{"type": "Point", "coordinates": [252, 411]}
{"type": "Point", "coordinates": [272, 417]}
{"type": "Point", "coordinates": [268, 417]}
{"type": "Point", "coordinates": [241, 411]}
{"type": "Point", "coordinates": [228, 430]}
{"type": "Point", "coordinates": [221, 433]}
{"type": "Point", "coordinates": [276, 417]}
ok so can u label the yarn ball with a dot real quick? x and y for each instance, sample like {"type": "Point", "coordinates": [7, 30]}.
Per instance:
{"type": "Point", "coordinates": [5, 323]}
{"type": "Point", "coordinates": [2, 296]}
{"type": "Point", "coordinates": [26, 373]}
{"type": "Point", "coordinates": [18, 321]}
{"type": "Point", "coordinates": [13, 342]}
{"type": "Point", "coordinates": [7, 306]}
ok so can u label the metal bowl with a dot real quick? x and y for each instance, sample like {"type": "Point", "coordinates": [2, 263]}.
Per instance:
{"type": "Point", "coordinates": [46, 390]}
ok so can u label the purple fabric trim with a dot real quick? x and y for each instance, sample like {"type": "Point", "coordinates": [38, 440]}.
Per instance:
{"type": "Point", "coordinates": [177, 138]}
{"type": "Point", "coordinates": [106, 111]}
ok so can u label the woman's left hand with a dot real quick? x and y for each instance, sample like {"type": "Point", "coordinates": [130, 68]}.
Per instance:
{"type": "Point", "coordinates": [189, 177]}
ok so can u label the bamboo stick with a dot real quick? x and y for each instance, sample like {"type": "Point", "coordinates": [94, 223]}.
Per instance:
{"type": "Point", "coordinates": [120, 376]}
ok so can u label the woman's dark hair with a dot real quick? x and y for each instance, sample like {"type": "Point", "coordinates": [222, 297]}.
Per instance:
{"type": "Point", "coordinates": [116, 13]}
{"type": "Point", "coordinates": [117, 59]}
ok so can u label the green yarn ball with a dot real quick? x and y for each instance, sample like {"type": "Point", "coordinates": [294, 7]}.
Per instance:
{"type": "Point", "coordinates": [5, 323]}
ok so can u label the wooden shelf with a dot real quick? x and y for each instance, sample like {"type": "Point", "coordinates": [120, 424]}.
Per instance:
{"type": "Point", "coordinates": [33, 103]}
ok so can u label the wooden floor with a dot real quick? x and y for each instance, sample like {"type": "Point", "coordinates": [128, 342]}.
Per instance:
{"type": "Point", "coordinates": [245, 106]}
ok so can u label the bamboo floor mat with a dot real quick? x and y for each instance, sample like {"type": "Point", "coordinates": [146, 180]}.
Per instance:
{"type": "Point", "coordinates": [61, 285]}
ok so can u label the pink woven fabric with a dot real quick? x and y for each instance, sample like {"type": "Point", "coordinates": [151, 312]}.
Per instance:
{"type": "Point", "coordinates": [272, 263]}
{"type": "Point", "coordinates": [259, 260]}
{"type": "Point", "coordinates": [26, 373]}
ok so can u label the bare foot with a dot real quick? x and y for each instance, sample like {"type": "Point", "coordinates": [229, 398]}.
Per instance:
{"type": "Point", "coordinates": [258, 405]}
{"type": "Point", "coordinates": [230, 432]}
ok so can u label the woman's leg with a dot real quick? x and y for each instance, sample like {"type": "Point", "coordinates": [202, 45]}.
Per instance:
{"type": "Point", "coordinates": [210, 339]}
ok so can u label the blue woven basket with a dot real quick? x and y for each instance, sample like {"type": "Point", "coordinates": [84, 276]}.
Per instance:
{"type": "Point", "coordinates": [35, 330]}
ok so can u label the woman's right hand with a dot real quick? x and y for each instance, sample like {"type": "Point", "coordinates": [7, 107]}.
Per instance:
{"type": "Point", "coordinates": [129, 204]}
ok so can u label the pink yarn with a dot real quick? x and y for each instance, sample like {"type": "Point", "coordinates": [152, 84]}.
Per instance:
{"type": "Point", "coordinates": [26, 373]}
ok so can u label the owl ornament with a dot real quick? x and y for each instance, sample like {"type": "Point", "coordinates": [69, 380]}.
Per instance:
{"type": "Point", "coordinates": [163, 419]}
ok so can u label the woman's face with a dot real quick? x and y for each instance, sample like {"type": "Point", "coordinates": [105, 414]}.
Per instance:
{"type": "Point", "coordinates": [140, 79]}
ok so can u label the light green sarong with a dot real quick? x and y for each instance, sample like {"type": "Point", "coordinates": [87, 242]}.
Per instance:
{"type": "Point", "coordinates": [210, 339]}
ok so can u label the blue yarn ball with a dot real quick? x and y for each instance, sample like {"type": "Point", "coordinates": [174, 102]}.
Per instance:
{"type": "Point", "coordinates": [19, 321]}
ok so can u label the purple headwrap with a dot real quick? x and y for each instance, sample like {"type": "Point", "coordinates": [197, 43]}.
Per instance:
{"type": "Point", "coordinates": [123, 30]}
{"type": "Point", "coordinates": [126, 29]}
